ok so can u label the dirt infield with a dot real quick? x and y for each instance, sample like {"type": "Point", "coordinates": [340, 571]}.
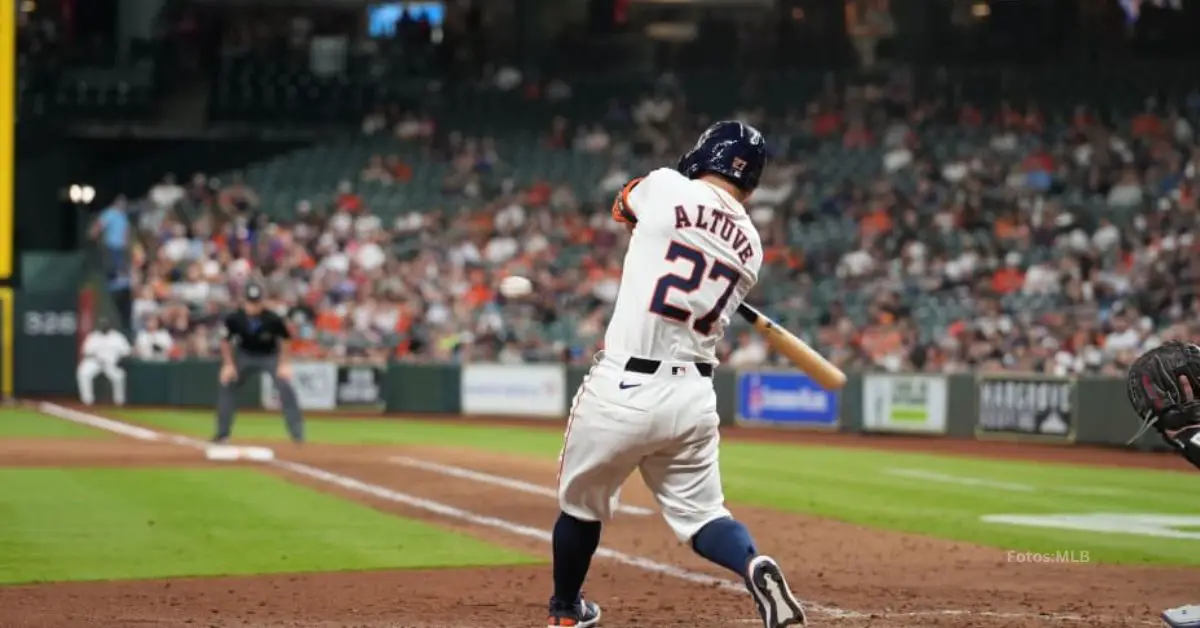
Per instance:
{"type": "Point", "coordinates": [856, 576]}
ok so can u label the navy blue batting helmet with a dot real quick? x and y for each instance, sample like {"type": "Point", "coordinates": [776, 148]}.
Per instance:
{"type": "Point", "coordinates": [729, 148]}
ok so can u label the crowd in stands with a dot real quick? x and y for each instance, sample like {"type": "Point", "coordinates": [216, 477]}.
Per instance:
{"type": "Point", "coordinates": [1077, 232]}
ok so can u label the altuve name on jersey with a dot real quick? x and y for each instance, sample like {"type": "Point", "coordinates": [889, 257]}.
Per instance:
{"type": "Point", "coordinates": [717, 223]}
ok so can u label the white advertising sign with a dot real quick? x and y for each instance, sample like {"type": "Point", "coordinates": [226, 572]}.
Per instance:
{"type": "Point", "coordinates": [316, 386]}
{"type": "Point", "coordinates": [514, 389]}
{"type": "Point", "coordinates": [905, 403]}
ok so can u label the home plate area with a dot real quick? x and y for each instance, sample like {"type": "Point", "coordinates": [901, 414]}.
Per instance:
{"type": "Point", "coordinates": [852, 576]}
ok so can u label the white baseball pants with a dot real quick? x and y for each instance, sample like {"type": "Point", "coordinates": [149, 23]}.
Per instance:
{"type": "Point", "coordinates": [85, 375]}
{"type": "Point", "coordinates": [663, 424]}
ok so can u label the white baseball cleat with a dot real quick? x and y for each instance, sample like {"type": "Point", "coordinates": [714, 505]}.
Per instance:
{"type": "Point", "coordinates": [1182, 617]}
{"type": "Point", "coordinates": [776, 604]}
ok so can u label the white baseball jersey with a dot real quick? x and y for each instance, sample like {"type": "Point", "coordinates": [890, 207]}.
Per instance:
{"type": "Point", "coordinates": [692, 259]}
{"type": "Point", "coordinates": [153, 345]}
{"type": "Point", "coordinates": [693, 256]}
{"type": "Point", "coordinates": [107, 348]}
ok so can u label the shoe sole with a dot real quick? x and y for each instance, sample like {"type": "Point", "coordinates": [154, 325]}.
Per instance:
{"type": "Point", "coordinates": [773, 595]}
{"type": "Point", "coordinates": [581, 623]}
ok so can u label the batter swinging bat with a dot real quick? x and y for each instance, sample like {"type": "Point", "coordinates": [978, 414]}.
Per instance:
{"type": "Point", "coordinates": [796, 350]}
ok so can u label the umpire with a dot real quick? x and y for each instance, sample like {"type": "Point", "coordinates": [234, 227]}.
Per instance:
{"type": "Point", "coordinates": [252, 342]}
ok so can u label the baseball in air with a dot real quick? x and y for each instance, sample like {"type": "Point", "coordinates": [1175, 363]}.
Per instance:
{"type": "Point", "coordinates": [515, 287]}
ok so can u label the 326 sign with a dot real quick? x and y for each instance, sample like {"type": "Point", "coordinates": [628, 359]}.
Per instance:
{"type": "Point", "coordinates": [50, 323]}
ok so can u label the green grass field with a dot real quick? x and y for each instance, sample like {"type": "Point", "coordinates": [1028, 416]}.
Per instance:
{"type": "Point", "coordinates": [102, 524]}
{"type": "Point", "coordinates": [22, 423]}
{"type": "Point", "coordinates": [941, 496]}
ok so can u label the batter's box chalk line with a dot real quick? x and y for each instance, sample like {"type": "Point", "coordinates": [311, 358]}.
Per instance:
{"type": "Point", "coordinates": [514, 484]}
{"type": "Point", "coordinates": [517, 529]}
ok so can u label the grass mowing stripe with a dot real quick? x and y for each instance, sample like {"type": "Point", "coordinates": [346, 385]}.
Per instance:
{"type": "Point", "coordinates": [259, 426]}
{"type": "Point", "coordinates": [99, 524]}
{"type": "Point", "coordinates": [18, 422]}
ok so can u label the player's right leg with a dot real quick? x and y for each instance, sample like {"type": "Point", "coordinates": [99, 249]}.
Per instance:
{"type": "Point", "coordinates": [85, 378]}
{"type": "Point", "coordinates": [605, 430]}
{"type": "Point", "coordinates": [686, 481]}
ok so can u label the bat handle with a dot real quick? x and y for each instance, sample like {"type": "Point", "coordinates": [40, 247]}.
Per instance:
{"type": "Point", "coordinates": [748, 313]}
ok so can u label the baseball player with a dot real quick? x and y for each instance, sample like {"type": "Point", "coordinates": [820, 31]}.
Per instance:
{"type": "Point", "coordinates": [252, 342]}
{"type": "Point", "coordinates": [1163, 385]}
{"type": "Point", "coordinates": [103, 350]}
{"type": "Point", "coordinates": [648, 401]}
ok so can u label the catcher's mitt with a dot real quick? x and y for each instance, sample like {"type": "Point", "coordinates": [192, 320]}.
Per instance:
{"type": "Point", "coordinates": [1164, 388]}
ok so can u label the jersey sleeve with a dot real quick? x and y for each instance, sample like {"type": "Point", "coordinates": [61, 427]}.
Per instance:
{"type": "Point", "coordinates": [640, 199]}
{"type": "Point", "coordinates": [227, 328]}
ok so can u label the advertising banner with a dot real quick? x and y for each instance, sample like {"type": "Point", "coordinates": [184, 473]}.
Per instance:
{"type": "Point", "coordinates": [785, 398]}
{"type": "Point", "coordinates": [315, 384]}
{"type": "Point", "coordinates": [515, 389]}
{"type": "Point", "coordinates": [360, 386]}
{"type": "Point", "coordinates": [1039, 406]}
{"type": "Point", "coordinates": [904, 403]}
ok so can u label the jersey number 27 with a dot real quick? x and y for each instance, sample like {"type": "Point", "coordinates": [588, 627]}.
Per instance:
{"type": "Point", "coordinates": [701, 269]}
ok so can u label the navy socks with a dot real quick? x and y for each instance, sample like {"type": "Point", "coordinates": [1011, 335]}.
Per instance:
{"type": "Point", "coordinates": [574, 543]}
{"type": "Point", "coordinates": [727, 543]}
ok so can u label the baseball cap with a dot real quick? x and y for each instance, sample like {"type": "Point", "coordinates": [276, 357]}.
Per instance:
{"type": "Point", "coordinates": [254, 292]}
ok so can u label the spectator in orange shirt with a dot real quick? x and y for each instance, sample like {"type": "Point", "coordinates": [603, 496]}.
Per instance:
{"type": "Point", "coordinates": [825, 122]}
{"type": "Point", "coordinates": [876, 222]}
{"type": "Point", "coordinates": [329, 321]}
{"type": "Point", "coordinates": [1008, 278]}
{"type": "Point", "coordinates": [1147, 124]}
{"type": "Point", "coordinates": [539, 194]}
{"type": "Point", "coordinates": [399, 170]}
{"type": "Point", "coordinates": [347, 200]}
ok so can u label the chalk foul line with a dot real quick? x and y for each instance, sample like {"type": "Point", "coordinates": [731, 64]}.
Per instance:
{"type": "Point", "coordinates": [498, 480]}
{"type": "Point", "coordinates": [511, 527]}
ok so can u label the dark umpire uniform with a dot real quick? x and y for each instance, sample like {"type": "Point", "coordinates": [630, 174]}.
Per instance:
{"type": "Point", "coordinates": [251, 343]}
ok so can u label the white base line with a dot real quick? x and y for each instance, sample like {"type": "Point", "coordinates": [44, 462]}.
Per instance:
{"type": "Point", "coordinates": [452, 512]}
{"type": "Point", "coordinates": [499, 480]}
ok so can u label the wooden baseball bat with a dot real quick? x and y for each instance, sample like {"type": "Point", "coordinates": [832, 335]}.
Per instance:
{"type": "Point", "coordinates": [796, 350]}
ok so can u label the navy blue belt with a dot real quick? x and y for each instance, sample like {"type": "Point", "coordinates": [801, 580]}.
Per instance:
{"type": "Point", "coordinates": [650, 367]}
